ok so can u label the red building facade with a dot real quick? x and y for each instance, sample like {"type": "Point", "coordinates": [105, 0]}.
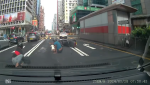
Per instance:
{"type": "Point", "coordinates": [41, 20]}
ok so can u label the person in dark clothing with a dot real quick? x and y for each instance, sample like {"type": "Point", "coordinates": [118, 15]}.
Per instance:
{"type": "Point", "coordinates": [17, 58]}
{"type": "Point", "coordinates": [41, 34]}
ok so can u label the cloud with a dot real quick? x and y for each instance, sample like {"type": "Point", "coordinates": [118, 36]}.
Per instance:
{"type": "Point", "coordinates": [50, 8]}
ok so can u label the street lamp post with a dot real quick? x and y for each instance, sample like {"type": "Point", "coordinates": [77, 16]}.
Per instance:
{"type": "Point", "coordinates": [57, 14]}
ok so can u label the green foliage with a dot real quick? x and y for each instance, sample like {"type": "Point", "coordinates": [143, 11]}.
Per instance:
{"type": "Point", "coordinates": [141, 32]}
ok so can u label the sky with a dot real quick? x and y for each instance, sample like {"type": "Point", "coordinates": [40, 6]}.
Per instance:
{"type": "Point", "coordinates": [50, 8]}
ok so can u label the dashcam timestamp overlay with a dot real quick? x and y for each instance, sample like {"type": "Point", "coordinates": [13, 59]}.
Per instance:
{"type": "Point", "coordinates": [121, 81]}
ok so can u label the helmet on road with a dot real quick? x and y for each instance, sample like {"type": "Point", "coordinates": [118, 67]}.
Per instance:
{"type": "Point", "coordinates": [20, 45]}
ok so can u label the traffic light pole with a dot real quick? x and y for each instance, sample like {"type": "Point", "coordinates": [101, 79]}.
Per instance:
{"type": "Point", "coordinates": [57, 15]}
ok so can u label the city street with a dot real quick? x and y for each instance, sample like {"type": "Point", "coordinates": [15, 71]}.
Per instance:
{"type": "Point", "coordinates": [86, 53]}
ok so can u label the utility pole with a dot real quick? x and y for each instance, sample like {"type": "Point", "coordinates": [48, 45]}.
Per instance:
{"type": "Point", "coordinates": [90, 5]}
{"type": "Point", "coordinates": [57, 15]}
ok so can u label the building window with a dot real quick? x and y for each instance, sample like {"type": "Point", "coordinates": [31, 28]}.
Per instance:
{"type": "Point", "coordinates": [137, 4]}
{"type": "Point", "coordinates": [23, 2]}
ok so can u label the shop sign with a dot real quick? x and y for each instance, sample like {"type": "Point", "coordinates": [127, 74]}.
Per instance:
{"type": "Point", "coordinates": [118, 1]}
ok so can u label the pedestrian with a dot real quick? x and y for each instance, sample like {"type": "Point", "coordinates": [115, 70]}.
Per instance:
{"type": "Point", "coordinates": [17, 58]}
{"type": "Point", "coordinates": [57, 46]}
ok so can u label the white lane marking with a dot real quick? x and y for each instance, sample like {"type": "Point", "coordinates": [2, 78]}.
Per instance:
{"type": "Point", "coordinates": [81, 51]}
{"type": "Point", "coordinates": [35, 48]}
{"type": "Point", "coordinates": [7, 48]}
{"type": "Point", "coordinates": [87, 45]}
{"type": "Point", "coordinates": [77, 51]}
{"type": "Point", "coordinates": [90, 47]}
{"type": "Point", "coordinates": [31, 49]}
{"type": "Point", "coordinates": [24, 46]}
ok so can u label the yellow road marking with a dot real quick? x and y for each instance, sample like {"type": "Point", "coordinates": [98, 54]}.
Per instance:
{"type": "Point", "coordinates": [115, 49]}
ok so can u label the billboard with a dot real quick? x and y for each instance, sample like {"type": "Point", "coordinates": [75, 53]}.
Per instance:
{"type": "Point", "coordinates": [12, 17]}
{"type": "Point", "coordinates": [34, 22]}
{"type": "Point", "coordinates": [74, 18]}
{"type": "Point", "coordinates": [1, 19]}
{"type": "Point", "coordinates": [6, 18]}
{"type": "Point", "coordinates": [28, 17]}
{"type": "Point", "coordinates": [118, 1]}
{"type": "Point", "coordinates": [85, 8]}
{"type": "Point", "coordinates": [21, 16]}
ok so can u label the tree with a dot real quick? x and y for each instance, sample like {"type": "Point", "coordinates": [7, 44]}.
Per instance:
{"type": "Point", "coordinates": [143, 33]}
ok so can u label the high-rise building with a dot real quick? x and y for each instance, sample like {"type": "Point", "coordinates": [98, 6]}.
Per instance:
{"type": "Point", "coordinates": [68, 5]}
{"type": "Point", "coordinates": [59, 14]}
{"type": "Point", "coordinates": [100, 2]}
{"type": "Point", "coordinates": [38, 6]}
{"type": "Point", "coordinates": [34, 6]}
{"type": "Point", "coordinates": [55, 22]}
{"type": "Point", "coordinates": [16, 13]}
{"type": "Point", "coordinates": [38, 11]}
{"type": "Point", "coordinates": [92, 2]}
{"type": "Point", "coordinates": [41, 22]}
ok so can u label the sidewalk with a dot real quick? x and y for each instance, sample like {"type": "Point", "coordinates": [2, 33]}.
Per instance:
{"type": "Point", "coordinates": [138, 52]}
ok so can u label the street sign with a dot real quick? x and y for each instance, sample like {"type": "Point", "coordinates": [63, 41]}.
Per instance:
{"type": "Point", "coordinates": [123, 22]}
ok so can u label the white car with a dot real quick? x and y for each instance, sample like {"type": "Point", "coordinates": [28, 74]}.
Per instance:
{"type": "Point", "coordinates": [63, 36]}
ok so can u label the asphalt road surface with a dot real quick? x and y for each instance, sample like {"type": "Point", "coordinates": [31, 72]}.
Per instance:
{"type": "Point", "coordinates": [86, 53]}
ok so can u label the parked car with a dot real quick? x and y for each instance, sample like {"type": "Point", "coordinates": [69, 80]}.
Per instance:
{"type": "Point", "coordinates": [33, 36]}
{"type": "Point", "coordinates": [15, 38]}
{"type": "Point", "coordinates": [4, 42]}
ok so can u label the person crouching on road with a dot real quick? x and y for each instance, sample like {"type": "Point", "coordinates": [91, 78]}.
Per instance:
{"type": "Point", "coordinates": [17, 58]}
{"type": "Point", "coordinates": [57, 46]}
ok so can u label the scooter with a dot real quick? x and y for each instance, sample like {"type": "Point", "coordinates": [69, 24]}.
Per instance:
{"type": "Point", "coordinates": [26, 60]}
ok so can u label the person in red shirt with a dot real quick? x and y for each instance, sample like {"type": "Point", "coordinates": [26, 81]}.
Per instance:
{"type": "Point", "coordinates": [17, 58]}
{"type": "Point", "coordinates": [10, 18]}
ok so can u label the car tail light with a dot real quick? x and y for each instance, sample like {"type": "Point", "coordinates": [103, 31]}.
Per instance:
{"type": "Point", "coordinates": [15, 37]}
{"type": "Point", "coordinates": [75, 44]}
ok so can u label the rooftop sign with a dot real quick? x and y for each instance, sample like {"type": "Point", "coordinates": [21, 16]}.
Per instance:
{"type": "Point", "coordinates": [85, 8]}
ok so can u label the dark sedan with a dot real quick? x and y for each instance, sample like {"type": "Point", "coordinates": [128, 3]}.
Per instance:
{"type": "Point", "coordinates": [15, 38]}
